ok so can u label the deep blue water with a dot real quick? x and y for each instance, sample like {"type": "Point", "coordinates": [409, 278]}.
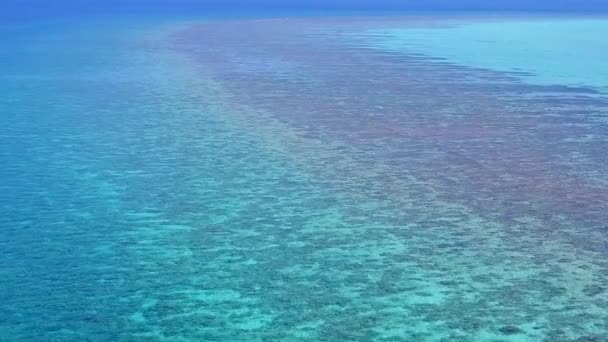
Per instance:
{"type": "Point", "coordinates": [187, 179]}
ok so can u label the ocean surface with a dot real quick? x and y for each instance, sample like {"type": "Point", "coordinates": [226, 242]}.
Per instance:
{"type": "Point", "coordinates": [542, 50]}
{"type": "Point", "coordinates": [388, 178]}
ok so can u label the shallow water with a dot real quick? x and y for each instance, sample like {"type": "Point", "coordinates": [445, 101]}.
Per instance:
{"type": "Point", "coordinates": [544, 50]}
{"type": "Point", "coordinates": [287, 180]}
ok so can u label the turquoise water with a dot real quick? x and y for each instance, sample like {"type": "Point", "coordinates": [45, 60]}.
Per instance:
{"type": "Point", "coordinates": [548, 51]}
{"type": "Point", "coordinates": [281, 180]}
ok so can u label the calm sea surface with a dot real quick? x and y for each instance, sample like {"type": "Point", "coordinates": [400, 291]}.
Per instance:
{"type": "Point", "coordinates": [304, 179]}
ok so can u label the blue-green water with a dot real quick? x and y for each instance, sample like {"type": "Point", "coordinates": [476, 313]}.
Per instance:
{"type": "Point", "coordinates": [172, 180]}
{"type": "Point", "coordinates": [548, 51]}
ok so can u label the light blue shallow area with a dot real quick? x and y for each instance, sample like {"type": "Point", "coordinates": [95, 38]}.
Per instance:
{"type": "Point", "coordinates": [565, 51]}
